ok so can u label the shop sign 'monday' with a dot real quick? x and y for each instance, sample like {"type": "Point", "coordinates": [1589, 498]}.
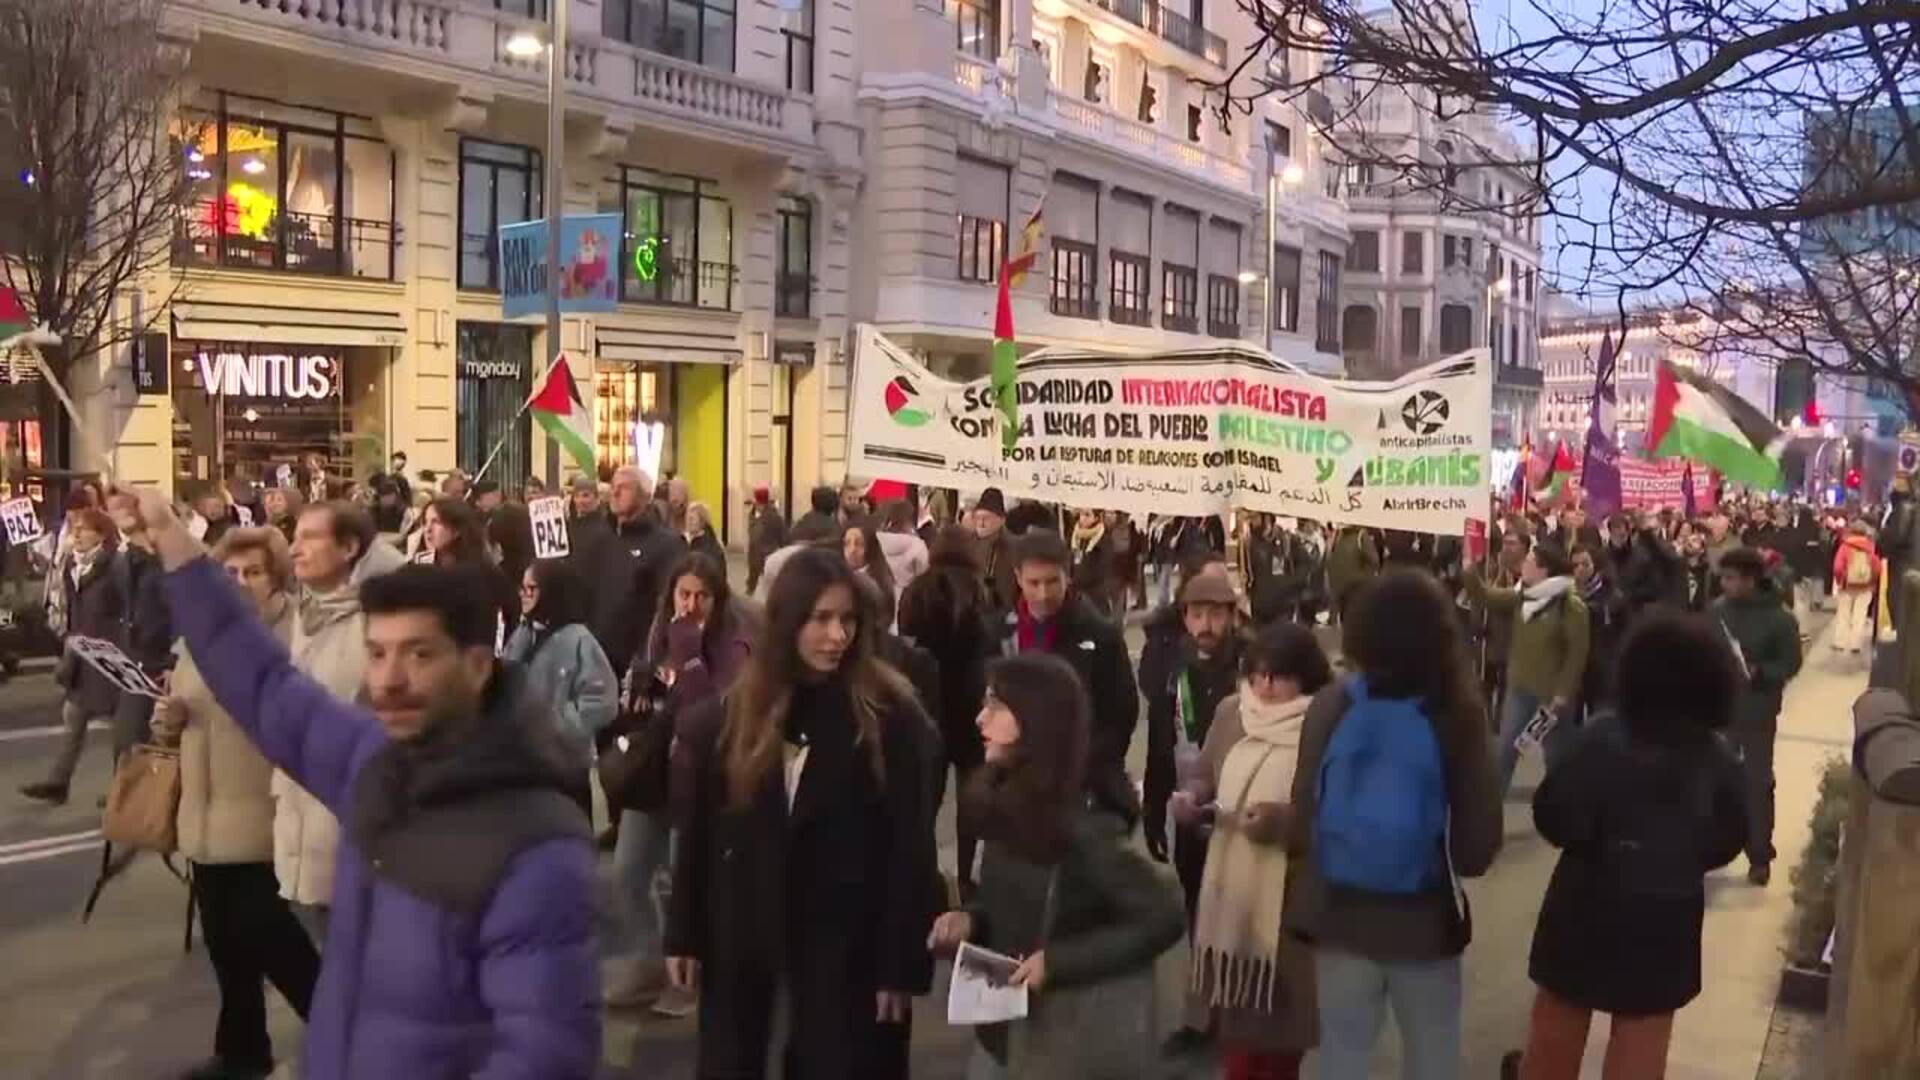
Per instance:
{"type": "Point", "coordinates": [1193, 431]}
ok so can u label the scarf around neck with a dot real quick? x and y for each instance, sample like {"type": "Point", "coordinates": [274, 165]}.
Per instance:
{"type": "Point", "coordinates": [1031, 633]}
{"type": "Point", "coordinates": [1084, 539]}
{"type": "Point", "coordinates": [1535, 599]}
{"type": "Point", "coordinates": [1236, 937]}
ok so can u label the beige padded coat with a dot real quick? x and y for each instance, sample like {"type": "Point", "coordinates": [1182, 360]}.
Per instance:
{"type": "Point", "coordinates": [226, 809]}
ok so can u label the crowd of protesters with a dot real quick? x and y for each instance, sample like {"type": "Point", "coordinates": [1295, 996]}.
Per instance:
{"type": "Point", "coordinates": [399, 728]}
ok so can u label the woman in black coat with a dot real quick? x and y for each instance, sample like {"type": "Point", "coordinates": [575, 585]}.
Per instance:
{"type": "Point", "coordinates": [1644, 806]}
{"type": "Point", "coordinates": [800, 901]}
{"type": "Point", "coordinates": [95, 606]}
{"type": "Point", "coordinates": [947, 612]}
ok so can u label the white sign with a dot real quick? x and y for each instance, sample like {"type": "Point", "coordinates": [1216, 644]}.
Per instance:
{"type": "Point", "coordinates": [979, 993]}
{"type": "Point", "coordinates": [272, 375]}
{"type": "Point", "coordinates": [649, 441]}
{"type": "Point", "coordinates": [1543, 722]}
{"type": "Point", "coordinates": [108, 660]}
{"type": "Point", "coordinates": [23, 524]}
{"type": "Point", "coordinates": [549, 527]}
{"type": "Point", "coordinates": [243, 514]}
{"type": "Point", "coordinates": [1196, 431]}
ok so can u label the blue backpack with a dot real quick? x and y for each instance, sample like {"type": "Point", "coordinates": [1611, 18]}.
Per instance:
{"type": "Point", "coordinates": [1380, 819]}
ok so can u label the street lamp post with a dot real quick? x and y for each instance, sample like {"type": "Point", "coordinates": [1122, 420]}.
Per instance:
{"type": "Point", "coordinates": [526, 43]}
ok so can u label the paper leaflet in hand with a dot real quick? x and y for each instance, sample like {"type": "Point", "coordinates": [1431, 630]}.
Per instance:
{"type": "Point", "coordinates": [114, 664]}
{"type": "Point", "coordinates": [979, 993]}
{"type": "Point", "coordinates": [1536, 730]}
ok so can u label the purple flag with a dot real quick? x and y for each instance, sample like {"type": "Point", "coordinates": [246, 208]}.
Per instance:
{"type": "Point", "coordinates": [1600, 470]}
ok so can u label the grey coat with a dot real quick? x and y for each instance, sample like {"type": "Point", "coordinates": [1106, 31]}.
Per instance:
{"type": "Point", "coordinates": [567, 668]}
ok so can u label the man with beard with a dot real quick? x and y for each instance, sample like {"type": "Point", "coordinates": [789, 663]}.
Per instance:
{"type": "Point", "coordinates": [1698, 586]}
{"type": "Point", "coordinates": [1180, 710]}
{"type": "Point", "coordinates": [462, 943]}
{"type": "Point", "coordinates": [1645, 570]}
{"type": "Point", "coordinates": [1179, 713]}
{"type": "Point", "coordinates": [1768, 643]}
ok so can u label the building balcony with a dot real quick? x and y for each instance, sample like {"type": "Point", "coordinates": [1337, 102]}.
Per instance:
{"type": "Point", "coordinates": [793, 296]}
{"type": "Point", "coordinates": [1103, 125]}
{"type": "Point", "coordinates": [210, 234]}
{"type": "Point", "coordinates": [463, 46]}
{"type": "Point", "coordinates": [1171, 27]}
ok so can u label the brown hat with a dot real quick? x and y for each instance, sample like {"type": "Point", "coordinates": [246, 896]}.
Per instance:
{"type": "Point", "coordinates": [1208, 589]}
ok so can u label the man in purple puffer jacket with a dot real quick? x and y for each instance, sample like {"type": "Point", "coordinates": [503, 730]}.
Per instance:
{"type": "Point", "coordinates": [461, 940]}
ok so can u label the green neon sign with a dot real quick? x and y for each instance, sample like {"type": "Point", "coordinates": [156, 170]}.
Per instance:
{"type": "Point", "coordinates": [646, 259]}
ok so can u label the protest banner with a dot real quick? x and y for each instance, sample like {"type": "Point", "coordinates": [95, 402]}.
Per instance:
{"type": "Point", "coordinates": [1653, 485]}
{"type": "Point", "coordinates": [549, 516]}
{"type": "Point", "coordinates": [22, 523]}
{"type": "Point", "coordinates": [1194, 431]}
{"type": "Point", "coordinates": [108, 660]}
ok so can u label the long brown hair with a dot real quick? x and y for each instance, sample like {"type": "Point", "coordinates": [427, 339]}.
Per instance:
{"type": "Point", "coordinates": [1026, 804]}
{"type": "Point", "coordinates": [1404, 636]}
{"type": "Point", "coordinates": [757, 707]}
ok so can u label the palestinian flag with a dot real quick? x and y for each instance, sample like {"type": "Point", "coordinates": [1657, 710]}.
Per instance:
{"type": "Point", "coordinates": [563, 416]}
{"type": "Point", "coordinates": [13, 315]}
{"type": "Point", "coordinates": [1006, 361]}
{"type": "Point", "coordinates": [1558, 472]}
{"type": "Point", "coordinates": [1699, 420]}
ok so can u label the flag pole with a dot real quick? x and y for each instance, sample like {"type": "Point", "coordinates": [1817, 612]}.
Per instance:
{"type": "Point", "coordinates": [501, 441]}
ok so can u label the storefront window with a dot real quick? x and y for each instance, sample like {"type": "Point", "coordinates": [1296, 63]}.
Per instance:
{"type": "Point", "coordinates": [626, 395]}
{"type": "Point", "coordinates": [679, 241]}
{"type": "Point", "coordinates": [494, 376]}
{"type": "Point", "coordinates": [242, 411]}
{"type": "Point", "coordinates": [499, 185]}
{"type": "Point", "coordinates": [278, 187]}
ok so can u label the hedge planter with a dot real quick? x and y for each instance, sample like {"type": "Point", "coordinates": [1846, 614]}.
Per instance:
{"type": "Point", "coordinates": [1805, 988]}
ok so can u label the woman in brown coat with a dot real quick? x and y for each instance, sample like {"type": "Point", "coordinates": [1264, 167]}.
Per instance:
{"type": "Point", "coordinates": [1255, 980]}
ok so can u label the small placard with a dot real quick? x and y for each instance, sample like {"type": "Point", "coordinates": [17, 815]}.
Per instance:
{"type": "Point", "coordinates": [108, 660]}
{"type": "Point", "coordinates": [23, 524]}
{"type": "Point", "coordinates": [1537, 729]}
{"type": "Point", "coordinates": [549, 527]}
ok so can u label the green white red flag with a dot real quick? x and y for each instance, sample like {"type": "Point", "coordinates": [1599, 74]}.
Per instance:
{"type": "Point", "coordinates": [561, 413]}
{"type": "Point", "coordinates": [1701, 421]}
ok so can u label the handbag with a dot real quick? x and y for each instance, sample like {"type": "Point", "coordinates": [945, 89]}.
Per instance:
{"type": "Point", "coordinates": [143, 803]}
{"type": "Point", "coordinates": [635, 765]}
{"type": "Point", "coordinates": [1097, 1031]}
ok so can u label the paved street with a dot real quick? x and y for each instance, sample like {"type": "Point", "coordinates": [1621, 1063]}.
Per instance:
{"type": "Point", "coordinates": [118, 998]}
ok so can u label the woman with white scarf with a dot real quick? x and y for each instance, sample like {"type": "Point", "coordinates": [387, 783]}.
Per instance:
{"type": "Point", "coordinates": [1256, 982]}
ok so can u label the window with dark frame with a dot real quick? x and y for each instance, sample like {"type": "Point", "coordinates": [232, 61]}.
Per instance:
{"type": "Point", "coordinates": [793, 278]}
{"type": "Point", "coordinates": [1363, 252]}
{"type": "Point", "coordinates": [698, 31]}
{"type": "Point", "coordinates": [1179, 298]}
{"type": "Point", "coordinates": [980, 224]}
{"type": "Point", "coordinates": [1410, 341]}
{"type": "Point", "coordinates": [279, 187]}
{"type": "Point", "coordinates": [1413, 252]}
{"type": "Point", "coordinates": [1280, 140]}
{"type": "Point", "coordinates": [976, 27]}
{"type": "Point", "coordinates": [678, 244]}
{"type": "Point", "coordinates": [1286, 288]}
{"type": "Point", "coordinates": [800, 51]}
{"type": "Point", "coordinates": [1223, 305]}
{"type": "Point", "coordinates": [1129, 289]}
{"type": "Point", "coordinates": [499, 185]}
{"type": "Point", "coordinates": [1326, 305]}
{"type": "Point", "coordinates": [1074, 283]}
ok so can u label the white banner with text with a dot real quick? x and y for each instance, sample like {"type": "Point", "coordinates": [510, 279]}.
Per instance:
{"type": "Point", "coordinates": [1194, 431]}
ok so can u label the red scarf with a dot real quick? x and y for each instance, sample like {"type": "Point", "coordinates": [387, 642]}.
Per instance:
{"type": "Point", "coordinates": [1029, 633]}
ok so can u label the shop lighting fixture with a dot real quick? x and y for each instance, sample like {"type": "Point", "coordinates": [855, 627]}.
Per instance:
{"type": "Point", "coordinates": [252, 415]}
{"type": "Point", "coordinates": [1292, 174]}
{"type": "Point", "coordinates": [196, 156]}
{"type": "Point", "coordinates": [525, 45]}
{"type": "Point", "coordinates": [253, 166]}
{"type": "Point", "coordinates": [199, 174]}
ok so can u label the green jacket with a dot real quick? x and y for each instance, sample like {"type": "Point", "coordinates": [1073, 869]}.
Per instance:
{"type": "Point", "coordinates": [1352, 561]}
{"type": "Point", "coordinates": [1547, 654]}
{"type": "Point", "coordinates": [1769, 638]}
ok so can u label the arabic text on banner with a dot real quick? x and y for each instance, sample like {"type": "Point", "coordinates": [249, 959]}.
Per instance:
{"type": "Point", "coordinates": [1193, 432]}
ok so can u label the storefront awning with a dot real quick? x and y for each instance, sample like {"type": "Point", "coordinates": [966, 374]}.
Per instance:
{"type": "Point", "coordinates": [666, 347]}
{"type": "Point", "coordinates": [286, 325]}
